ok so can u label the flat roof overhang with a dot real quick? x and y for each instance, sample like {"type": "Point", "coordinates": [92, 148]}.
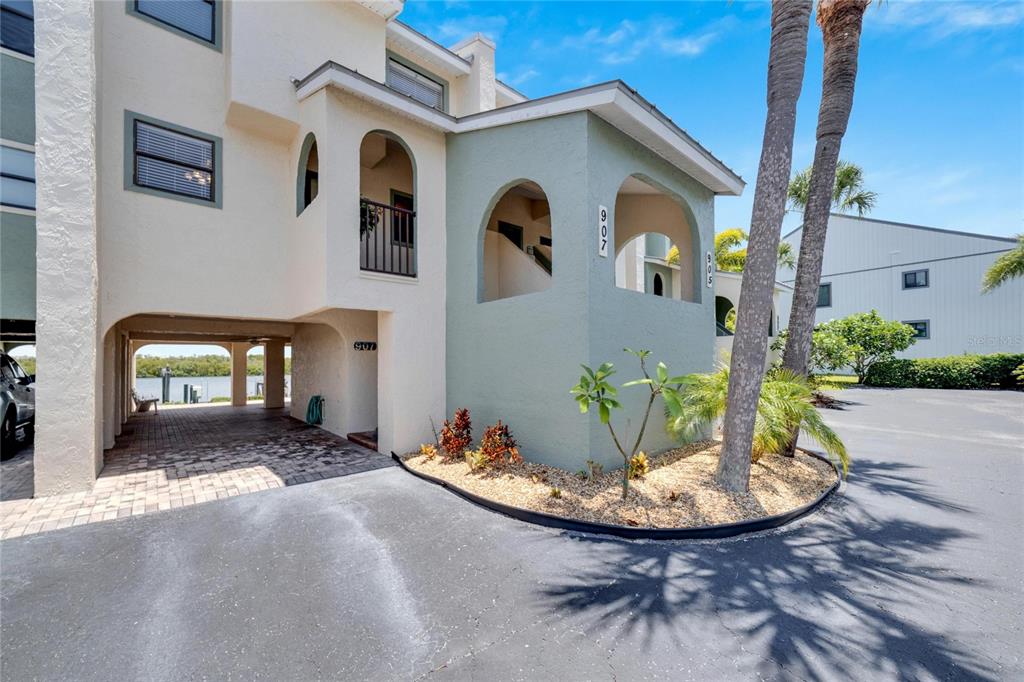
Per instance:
{"type": "Point", "coordinates": [614, 101]}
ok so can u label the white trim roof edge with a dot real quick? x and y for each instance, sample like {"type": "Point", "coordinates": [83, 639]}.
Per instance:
{"type": "Point", "coordinates": [612, 93]}
{"type": "Point", "coordinates": [403, 32]}
{"type": "Point", "coordinates": [893, 223]}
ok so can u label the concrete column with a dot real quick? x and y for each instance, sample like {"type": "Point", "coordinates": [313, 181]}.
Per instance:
{"type": "Point", "coordinates": [109, 392]}
{"type": "Point", "coordinates": [239, 364]}
{"type": "Point", "coordinates": [410, 383]}
{"type": "Point", "coordinates": [68, 453]}
{"type": "Point", "coordinates": [273, 374]}
{"type": "Point", "coordinates": [482, 89]}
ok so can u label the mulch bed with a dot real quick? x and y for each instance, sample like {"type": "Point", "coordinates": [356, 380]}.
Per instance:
{"type": "Point", "coordinates": [679, 491]}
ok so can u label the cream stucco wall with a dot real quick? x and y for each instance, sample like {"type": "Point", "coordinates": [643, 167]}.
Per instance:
{"type": "Point", "coordinates": [68, 342]}
{"type": "Point", "coordinates": [636, 214]}
{"type": "Point", "coordinates": [325, 363]}
{"type": "Point", "coordinates": [508, 271]}
{"type": "Point", "coordinates": [108, 253]}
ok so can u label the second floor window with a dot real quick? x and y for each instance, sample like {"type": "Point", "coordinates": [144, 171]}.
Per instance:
{"type": "Point", "coordinates": [17, 26]}
{"type": "Point", "coordinates": [173, 162]}
{"type": "Point", "coordinates": [825, 295]}
{"type": "Point", "coordinates": [415, 85]}
{"type": "Point", "coordinates": [915, 279]}
{"type": "Point", "coordinates": [17, 178]}
{"type": "Point", "coordinates": [194, 17]}
{"type": "Point", "coordinates": [920, 328]}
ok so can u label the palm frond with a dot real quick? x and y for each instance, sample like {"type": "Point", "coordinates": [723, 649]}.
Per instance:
{"type": "Point", "coordinates": [785, 403]}
{"type": "Point", "coordinates": [1008, 266]}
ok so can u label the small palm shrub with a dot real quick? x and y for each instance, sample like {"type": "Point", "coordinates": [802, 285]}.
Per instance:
{"type": "Point", "coordinates": [785, 404]}
{"type": "Point", "coordinates": [498, 446]}
{"type": "Point", "coordinates": [456, 435]}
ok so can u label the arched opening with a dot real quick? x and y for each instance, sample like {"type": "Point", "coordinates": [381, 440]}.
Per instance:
{"type": "Point", "coordinates": [643, 264]}
{"type": "Point", "coordinates": [655, 240]}
{"type": "Point", "coordinates": [308, 178]}
{"type": "Point", "coordinates": [725, 316]}
{"type": "Point", "coordinates": [182, 373]}
{"type": "Point", "coordinates": [387, 206]}
{"type": "Point", "coordinates": [517, 246]}
{"type": "Point", "coordinates": [25, 355]}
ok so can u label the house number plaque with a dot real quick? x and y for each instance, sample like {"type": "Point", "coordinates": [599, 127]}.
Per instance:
{"type": "Point", "coordinates": [365, 345]}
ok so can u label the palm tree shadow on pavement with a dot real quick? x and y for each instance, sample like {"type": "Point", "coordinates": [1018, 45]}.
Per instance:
{"type": "Point", "coordinates": [842, 595]}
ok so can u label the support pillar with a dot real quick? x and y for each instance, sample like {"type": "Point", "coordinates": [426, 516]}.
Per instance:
{"type": "Point", "coordinates": [239, 373]}
{"type": "Point", "coordinates": [273, 374]}
{"type": "Point", "coordinates": [68, 453]}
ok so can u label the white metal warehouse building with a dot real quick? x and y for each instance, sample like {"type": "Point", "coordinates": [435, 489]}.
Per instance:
{"type": "Point", "coordinates": [925, 276]}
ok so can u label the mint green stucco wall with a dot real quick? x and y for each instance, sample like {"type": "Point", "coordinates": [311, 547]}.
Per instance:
{"type": "Point", "coordinates": [17, 100]}
{"type": "Point", "coordinates": [17, 266]}
{"type": "Point", "coordinates": [516, 358]}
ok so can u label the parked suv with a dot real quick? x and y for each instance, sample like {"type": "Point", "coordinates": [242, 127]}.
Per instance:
{"type": "Point", "coordinates": [17, 404]}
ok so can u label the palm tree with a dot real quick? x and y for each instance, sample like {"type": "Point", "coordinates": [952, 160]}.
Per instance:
{"type": "Point", "coordinates": [1007, 267]}
{"type": "Point", "coordinates": [848, 193]}
{"type": "Point", "coordinates": [729, 257]}
{"type": "Point", "coordinates": [840, 22]}
{"type": "Point", "coordinates": [786, 59]}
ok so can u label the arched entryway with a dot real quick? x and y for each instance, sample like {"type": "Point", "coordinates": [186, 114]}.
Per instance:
{"type": "Point", "coordinates": [656, 245]}
{"type": "Point", "coordinates": [518, 256]}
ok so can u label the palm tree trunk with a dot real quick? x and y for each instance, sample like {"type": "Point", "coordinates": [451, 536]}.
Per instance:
{"type": "Point", "coordinates": [786, 59]}
{"type": "Point", "coordinates": [840, 22]}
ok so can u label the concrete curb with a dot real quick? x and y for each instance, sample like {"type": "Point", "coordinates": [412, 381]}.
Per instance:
{"type": "Point", "coordinates": [719, 531]}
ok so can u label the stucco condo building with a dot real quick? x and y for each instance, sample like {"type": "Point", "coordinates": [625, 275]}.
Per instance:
{"type": "Point", "coordinates": [17, 176]}
{"type": "Point", "coordinates": [928, 277]}
{"type": "Point", "coordinates": [321, 175]}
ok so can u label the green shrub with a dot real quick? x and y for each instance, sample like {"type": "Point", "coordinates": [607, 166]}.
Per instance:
{"type": "Point", "coordinates": [955, 371]}
{"type": "Point", "coordinates": [785, 403]}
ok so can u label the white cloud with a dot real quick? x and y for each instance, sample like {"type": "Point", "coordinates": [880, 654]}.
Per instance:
{"type": "Point", "coordinates": [456, 29]}
{"type": "Point", "coordinates": [945, 18]}
{"type": "Point", "coordinates": [521, 77]}
{"type": "Point", "coordinates": [629, 40]}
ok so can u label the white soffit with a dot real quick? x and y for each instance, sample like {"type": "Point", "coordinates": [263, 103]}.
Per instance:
{"type": "Point", "coordinates": [438, 59]}
{"type": "Point", "coordinates": [385, 8]}
{"type": "Point", "coordinates": [612, 101]}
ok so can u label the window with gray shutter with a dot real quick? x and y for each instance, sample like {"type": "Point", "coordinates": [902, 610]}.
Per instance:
{"type": "Point", "coordinates": [194, 17]}
{"type": "Point", "coordinates": [415, 85]}
{"type": "Point", "coordinates": [17, 26]}
{"type": "Point", "coordinates": [173, 162]}
{"type": "Point", "coordinates": [17, 178]}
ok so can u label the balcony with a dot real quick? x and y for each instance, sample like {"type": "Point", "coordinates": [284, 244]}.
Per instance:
{"type": "Point", "coordinates": [387, 239]}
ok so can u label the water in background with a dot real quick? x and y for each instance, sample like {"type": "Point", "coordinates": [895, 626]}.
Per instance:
{"type": "Point", "coordinates": [213, 387]}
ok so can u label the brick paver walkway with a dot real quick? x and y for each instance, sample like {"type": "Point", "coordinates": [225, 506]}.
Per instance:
{"type": "Point", "coordinates": [177, 458]}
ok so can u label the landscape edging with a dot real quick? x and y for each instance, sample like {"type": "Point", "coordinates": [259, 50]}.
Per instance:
{"type": "Point", "coordinates": [714, 532]}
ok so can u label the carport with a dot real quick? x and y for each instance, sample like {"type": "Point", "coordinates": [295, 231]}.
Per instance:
{"type": "Point", "coordinates": [183, 456]}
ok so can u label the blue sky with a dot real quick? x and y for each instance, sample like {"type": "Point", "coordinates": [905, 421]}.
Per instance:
{"type": "Point", "coordinates": [938, 119]}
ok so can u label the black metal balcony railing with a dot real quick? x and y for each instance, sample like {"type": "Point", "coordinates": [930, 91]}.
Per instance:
{"type": "Point", "coordinates": [387, 239]}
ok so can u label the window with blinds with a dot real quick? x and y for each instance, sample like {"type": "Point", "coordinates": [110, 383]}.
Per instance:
{"type": "Point", "coordinates": [173, 162]}
{"type": "Point", "coordinates": [415, 85]}
{"type": "Point", "coordinates": [195, 17]}
{"type": "Point", "coordinates": [17, 178]}
{"type": "Point", "coordinates": [16, 26]}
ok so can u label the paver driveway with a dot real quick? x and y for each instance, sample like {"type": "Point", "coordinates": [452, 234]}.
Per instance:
{"type": "Point", "coordinates": [913, 573]}
{"type": "Point", "coordinates": [180, 457]}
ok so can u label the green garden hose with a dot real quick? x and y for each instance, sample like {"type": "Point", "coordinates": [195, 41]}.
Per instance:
{"type": "Point", "coordinates": [315, 410]}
